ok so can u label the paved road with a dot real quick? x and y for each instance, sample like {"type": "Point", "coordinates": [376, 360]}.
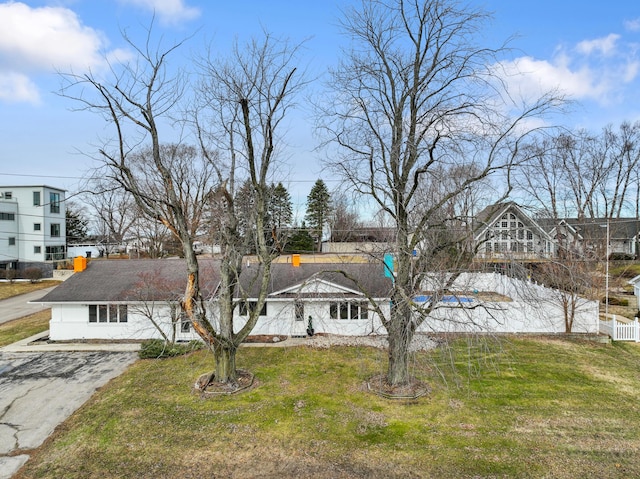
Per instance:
{"type": "Point", "coordinates": [17, 306]}
{"type": "Point", "coordinates": [38, 391]}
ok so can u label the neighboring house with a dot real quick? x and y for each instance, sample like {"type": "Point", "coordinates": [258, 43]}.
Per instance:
{"type": "Point", "coordinates": [114, 300]}
{"type": "Point", "coordinates": [635, 282]}
{"type": "Point", "coordinates": [505, 232]}
{"type": "Point", "coordinates": [622, 234]}
{"type": "Point", "coordinates": [32, 225]}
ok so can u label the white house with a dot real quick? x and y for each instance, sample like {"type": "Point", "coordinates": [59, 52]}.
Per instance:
{"type": "Point", "coordinates": [113, 300]}
{"type": "Point", "coordinates": [32, 225]}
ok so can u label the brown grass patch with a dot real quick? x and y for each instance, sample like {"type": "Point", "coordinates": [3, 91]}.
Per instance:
{"type": "Point", "coordinates": [8, 290]}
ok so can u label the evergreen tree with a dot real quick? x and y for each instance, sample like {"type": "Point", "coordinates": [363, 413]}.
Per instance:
{"type": "Point", "coordinates": [300, 241]}
{"type": "Point", "coordinates": [318, 210]}
{"type": "Point", "coordinates": [76, 224]}
{"type": "Point", "coordinates": [280, 209]}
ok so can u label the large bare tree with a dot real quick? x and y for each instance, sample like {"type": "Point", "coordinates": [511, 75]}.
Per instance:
{"type": "Point", "coordinates": [243, 102]}
{"type": "Point", "coordinates": [140, 102]}
{"type": "Point", "coordinates": [417, 102]}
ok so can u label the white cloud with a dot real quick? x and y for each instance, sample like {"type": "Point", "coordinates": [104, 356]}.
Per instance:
{"type": "Point", "coordinates": [42, 40]}
{"type": "Point", "coordinates": [531, 78]}
{"type": "Point", "coordinates": [577, 72]}
{"type": "Point", "coordinates": [168, 11]}
{"type": "Point", "coordinates": [17, 88]}
{"type": "Point", "coordinates": [632, 25]}
{"type": "Point", "coordinates": [39, 39]}
{"type": "Point", "coordinates": [605, 45]}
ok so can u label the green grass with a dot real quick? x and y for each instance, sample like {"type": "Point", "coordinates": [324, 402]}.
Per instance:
{"type": "Point", "coordinates": [22, 328]}
{"type": "Point", "coordinates": [522, 408]}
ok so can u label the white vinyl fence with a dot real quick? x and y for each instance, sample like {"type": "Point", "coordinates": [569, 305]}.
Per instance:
{"type": "Point", "coordinates": [620, 331]}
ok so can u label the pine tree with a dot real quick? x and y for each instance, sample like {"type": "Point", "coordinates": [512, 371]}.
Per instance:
{"type": "Point", "coordinates": [280, 209]}
{"type": "Point", "coordinates": [318, 210]}
{"type": "Point", "coordinates": [76, 224]}
{"type": "Point", "coordinates": [300, 241]}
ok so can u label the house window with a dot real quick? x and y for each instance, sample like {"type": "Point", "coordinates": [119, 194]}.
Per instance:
{"type": "Point", "coordinates": [185, 325]}
{"type": "Point", "coordinates": [37, 226]}
{"type": "Point", "coordinates": [12, 241]}
{"type": "Point", "coordinates": [53, 253]}
{"type": "Point", "coordinates": [299, 310]}
{"type": "Point", "coordinates": [36, 198]}
{"type": "Point", "coordinates": [7, 216]}
{"type": "Point", "coordinates": [108, 313]}
{"type": "Point", "coordinates": [37, 249]}
{"type": "Point", "coordinates": [54, 202]}
{"type": "Point", "coordinates": [8, 195]}
{"type": "Point", "coordinates": [55, 230]}
{"type": "Point", "coordinates": [348, 310]}
{"type": "Point", "coordinates": [247, 306]}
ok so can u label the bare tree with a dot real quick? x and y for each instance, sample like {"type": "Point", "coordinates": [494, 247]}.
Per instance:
{"type": "Point", "coordinates": [113, 209]}
{"type": "Point", "coordinates": [570, 283]}
{"type": "Point", "coordinates": [254, 87]}
{"type": "Point", "coordinates": [416, 102]}
{"type": "Point", "coordinates": [584, 175]}
{"type": "Point", "coordinates": [135, 100]}
{"type": "Point", "coordinates": [624, 160]}
{"type": "Point", "coordinates": [156, 295]}
{"type": "Point", "coordinates": [244, 100]}
{"type": "Point", "coordinates": [191, 172]}
{"type": "Point", "coordinates": [344, 219]}
{"type": "Point", "coordinates": [148, 238]}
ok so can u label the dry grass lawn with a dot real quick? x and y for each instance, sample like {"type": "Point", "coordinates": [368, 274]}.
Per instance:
{"type": "Point", "coordinates": [8, 290]}
{"type": "Point", "coordinates": [22, 328]}
{"type": "Point", "coordinates": [517, 408]}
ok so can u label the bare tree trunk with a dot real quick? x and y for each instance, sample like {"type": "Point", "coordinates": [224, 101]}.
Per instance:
{"type": "Point", "coordinates": [400, 336]}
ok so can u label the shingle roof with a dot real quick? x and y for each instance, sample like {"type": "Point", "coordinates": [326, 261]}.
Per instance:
{"type": "Point", "coordinates": [138, 280]}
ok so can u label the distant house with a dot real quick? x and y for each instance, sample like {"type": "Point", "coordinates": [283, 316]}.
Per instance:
{"type": "Point", "coordinates": [32, 226]}
{"type": "Point", "coordinates": [114, 300]}
{"type": "Point", "coordinates": [592, 233]}
{"type": "Point", "coordinates": [505, 232]}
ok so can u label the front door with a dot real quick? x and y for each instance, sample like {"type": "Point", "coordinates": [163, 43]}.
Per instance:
{"type": "Point", "coordinates": [299, 328]}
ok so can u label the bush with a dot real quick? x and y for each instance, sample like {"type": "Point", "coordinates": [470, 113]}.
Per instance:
{"type": "Point", "coordinates": [621, 257]}
{"type": "Point", "coordinates": [9, 274]}
{"type": "Point", "coordinates": [158, 348]}
{"type": "Point", "coordinates": [33, 274]}
{"type": "Point", "coordinates": [615, 301]}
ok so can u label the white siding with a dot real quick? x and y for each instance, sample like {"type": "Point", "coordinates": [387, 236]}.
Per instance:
{"type": "Point", "coordinates": [532, 309]}
{"type": "Point", "coordinates": [28, 214]}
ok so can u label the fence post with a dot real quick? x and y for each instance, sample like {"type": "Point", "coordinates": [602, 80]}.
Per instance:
{"type": "Point", "coordinates": [614, 329]}
{"type": "Point", "coordinates": [636, 330]}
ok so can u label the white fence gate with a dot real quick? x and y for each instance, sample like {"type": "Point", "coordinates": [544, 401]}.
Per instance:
{"type": "Point", "coordinates": [621, 331]}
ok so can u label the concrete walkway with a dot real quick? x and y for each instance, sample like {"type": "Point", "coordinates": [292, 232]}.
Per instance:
{"type": "Point", "coordinates": [39, 344]}
{"type": "Point", "coordinates": [18, 306]}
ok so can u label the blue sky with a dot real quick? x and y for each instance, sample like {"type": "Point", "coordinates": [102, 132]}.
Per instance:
{"type": "Point", "coordinates": [590, 50]}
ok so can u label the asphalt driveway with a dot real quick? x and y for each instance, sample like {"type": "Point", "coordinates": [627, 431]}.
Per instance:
{"type": "Point", "coordinates": [38, 391]}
